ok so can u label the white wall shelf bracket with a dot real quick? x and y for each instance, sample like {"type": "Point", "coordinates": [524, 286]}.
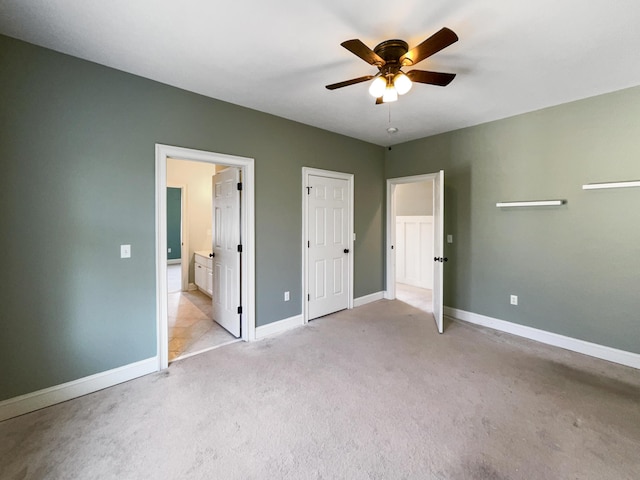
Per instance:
{"type": "Point", "coordinates": [531, 203]}
{"type": "Point", "coordinates": [600, 186]}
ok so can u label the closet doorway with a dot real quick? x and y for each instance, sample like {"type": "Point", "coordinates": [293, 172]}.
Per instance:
{"type": "Point", "coordinates": [415, 260]}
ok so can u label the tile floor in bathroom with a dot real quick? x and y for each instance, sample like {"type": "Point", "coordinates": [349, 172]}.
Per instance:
{"type": "Point", "coordinates": [191, 327]}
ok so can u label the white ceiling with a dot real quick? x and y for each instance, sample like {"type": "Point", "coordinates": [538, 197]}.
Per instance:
{"type": "Point", "coordinates": [276, 56]}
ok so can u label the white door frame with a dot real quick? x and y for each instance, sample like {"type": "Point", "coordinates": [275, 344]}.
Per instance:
{"type": "Point", "coordinates": [184, 235]}
{"type": "Point", "coordinates": [306, 172]}
{"type": "Point", "coordinates": [390, 292]}
{"type": "Point", "coordinates": [248, 271]}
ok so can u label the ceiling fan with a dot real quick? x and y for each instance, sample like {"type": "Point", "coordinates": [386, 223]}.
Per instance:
{"type": "Point", "coordinates": [390, 57]}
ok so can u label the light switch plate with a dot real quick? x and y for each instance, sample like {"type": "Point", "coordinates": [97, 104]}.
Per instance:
{"type": "Point", "coordinates": [125, 251]}
{"type": "Point", "coordinates": [449, 238]}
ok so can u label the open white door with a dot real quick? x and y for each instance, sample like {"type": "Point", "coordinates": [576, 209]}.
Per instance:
{"type": "Point", "coordinates": [328, 241]}
{"type": "Point", "coordinates": [438, 249]}
{"type": "Point", "coordinates": [226, 250]}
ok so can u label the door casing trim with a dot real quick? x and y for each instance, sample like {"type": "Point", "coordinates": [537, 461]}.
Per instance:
{"type": "Point", "coordinates": [248, 270]}
{"type": "Point", "coordinates": [349, 177]}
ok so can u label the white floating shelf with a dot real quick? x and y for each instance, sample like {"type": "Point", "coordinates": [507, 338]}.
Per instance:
{"type": "Point", "coordinates": [598, 186]}
{"type": "Point", "coordinates": [532, 203]}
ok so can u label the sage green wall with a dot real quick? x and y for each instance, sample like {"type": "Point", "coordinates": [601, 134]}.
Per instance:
{"type": "Point", "coordinates": [575, 268]}
{"type": "Point", "coordinates": [78, 180]}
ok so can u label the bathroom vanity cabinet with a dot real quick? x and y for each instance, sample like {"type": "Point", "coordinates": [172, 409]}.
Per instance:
{"type": "Point", "coordinates": [204, 272]}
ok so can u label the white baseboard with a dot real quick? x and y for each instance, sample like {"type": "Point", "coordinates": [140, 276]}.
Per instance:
{"type": "Point", "coordinates": [279, 326]}
{"type": "Point", "coordinates": [61, 393]}
{"type": "Point", "coordinates": [373, 297]}
{"type": "Point", "coordinates": [174, 261]}
{"type": "Point", "coordinates": [622, 357]}
{"type": "Point", "coordinates": [298, 320]}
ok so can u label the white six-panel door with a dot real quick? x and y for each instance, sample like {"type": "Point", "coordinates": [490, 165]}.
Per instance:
{"type": "Point", "coordinates": [226, 259]}
{"type": "Point", "coordinates": [328, 211]}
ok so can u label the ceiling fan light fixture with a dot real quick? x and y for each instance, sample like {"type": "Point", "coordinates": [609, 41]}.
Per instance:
{"type": "Point", "coordinates": [390, 56]}
{"type": "Point", "coordinates": [402, 83]}
{"type": "Point", "coordinates": [377, 87]}
{"type": "Point", "coordinates": [390, 94]}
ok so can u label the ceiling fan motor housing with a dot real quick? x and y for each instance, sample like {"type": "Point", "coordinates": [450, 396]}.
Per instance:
{"type": "Point", "coordinates": [391, 51]}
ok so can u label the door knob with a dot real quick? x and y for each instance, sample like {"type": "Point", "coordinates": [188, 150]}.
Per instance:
{"type": "Point", "coordinates": [346, 250]}
{"type": "Point", "coordinates": [440, 259]}
{"type": "Point", "coordinates": [211, 255]}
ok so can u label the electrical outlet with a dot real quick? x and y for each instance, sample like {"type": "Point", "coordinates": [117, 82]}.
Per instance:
{"type": "Point", "coordinates": [449, 238]}
{"type": "Point", "coordinates": [514, 299]}
{"type": "Point", "coordinates": [286, 296]}
{"type": "Point", "coordinates": [125, 251]}
{"type": "Point", "coordinates": [169, 250]}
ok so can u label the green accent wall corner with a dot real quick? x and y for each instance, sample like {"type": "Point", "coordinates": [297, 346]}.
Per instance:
{"type": "Point", "coordinates": [575, 268]}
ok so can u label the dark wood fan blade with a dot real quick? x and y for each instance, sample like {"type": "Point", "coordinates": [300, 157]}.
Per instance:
{"type": "Point", "coordinates": [432, 78]}
{"type": "Point", "coordinates": [358, 48]}
{"type": "Point", "coordinates": [353, 81]}
{"type": "Point", "coordinates": [431, 45]}
{"type": "Point", "coordinates": [379, 101]}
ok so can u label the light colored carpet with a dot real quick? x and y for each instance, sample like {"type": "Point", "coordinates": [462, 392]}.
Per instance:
{"type": "Point", "coordinates": [370, 393]}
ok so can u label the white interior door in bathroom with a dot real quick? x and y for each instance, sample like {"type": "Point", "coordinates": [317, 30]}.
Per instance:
{"type": "Point", "coordinates": [226, 249]}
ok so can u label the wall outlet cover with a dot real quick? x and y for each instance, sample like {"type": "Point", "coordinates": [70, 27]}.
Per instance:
{"type": "Point", "coordinates": [514, 300]}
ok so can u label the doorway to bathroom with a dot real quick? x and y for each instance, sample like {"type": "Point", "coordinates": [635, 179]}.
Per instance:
{"type": "Point", "coordinates": [205, 297]}
{"type": "Point", "coordinates": [197, 287]}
